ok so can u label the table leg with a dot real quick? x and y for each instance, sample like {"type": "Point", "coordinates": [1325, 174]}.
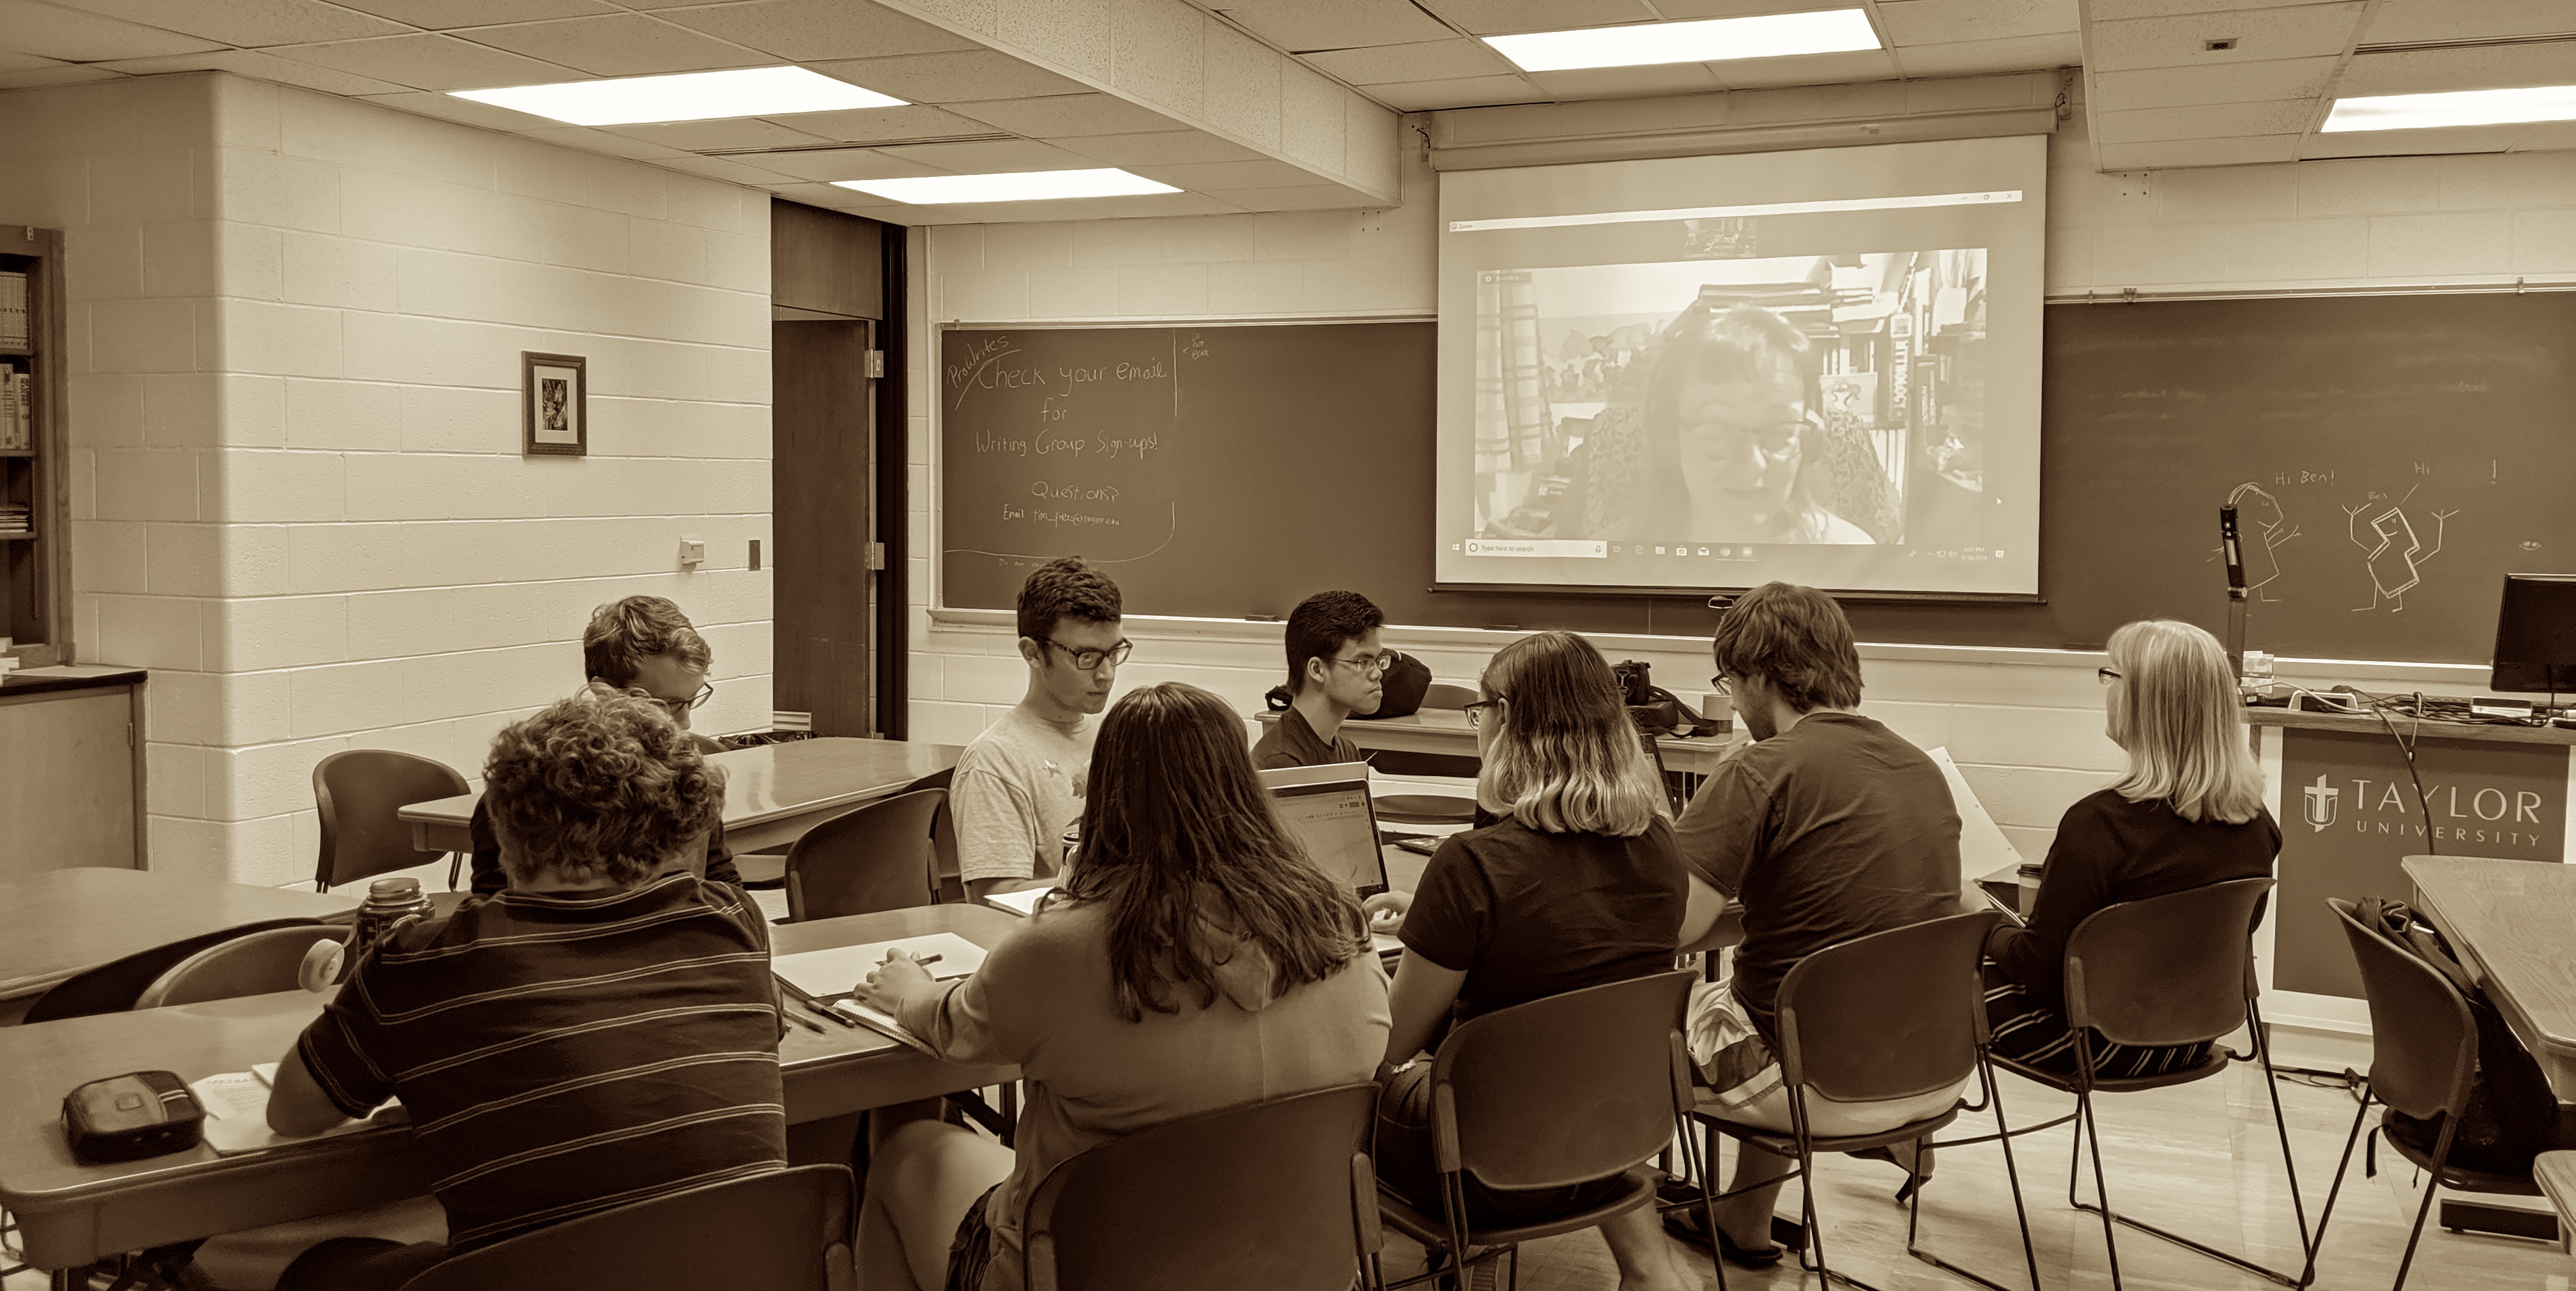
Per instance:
{"type": "Point", "coordinates": [2507, 1221]}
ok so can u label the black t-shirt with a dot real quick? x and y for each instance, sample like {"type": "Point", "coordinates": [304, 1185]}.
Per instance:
{"type": "Point", "coordinates": [1833, 829]}
{"type": "Point", "coordinates": [1292, 742]}
{"type": "Point", "coordinates": [2109, 850]}
{"type": "Point", "coordinates": [1527, 914]}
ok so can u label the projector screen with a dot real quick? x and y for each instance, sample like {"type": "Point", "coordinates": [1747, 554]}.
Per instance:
{"type": "Point", "coordinates": [1710, 372]}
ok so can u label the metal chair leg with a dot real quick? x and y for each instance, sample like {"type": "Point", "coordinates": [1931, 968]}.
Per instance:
{"type": "Point", "coordinates": [2342, 1164]}
{"type": "Point", "coordinates": [2432, 1186]}
{"type": "Point", "coordinates": [2004, 1135]}
{"type": "Point", "coordinates": [2101, 1184]}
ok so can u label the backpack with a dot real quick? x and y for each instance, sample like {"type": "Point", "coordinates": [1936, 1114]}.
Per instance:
{"type": "Point", "coordinates": [2511, 1114]}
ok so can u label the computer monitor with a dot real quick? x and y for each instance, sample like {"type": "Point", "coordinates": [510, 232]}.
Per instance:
{"type": "Point", "coordinates": [1334, 822]}
{"type": "Point", "coordinates": [2535, 647]}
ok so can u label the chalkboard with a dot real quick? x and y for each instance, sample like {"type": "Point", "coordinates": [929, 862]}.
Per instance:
{"type": "Point", "coordinates": [2391, 456]}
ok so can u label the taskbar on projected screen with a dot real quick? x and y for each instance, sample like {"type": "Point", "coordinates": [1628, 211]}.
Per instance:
{"type": "Point", "coordinates": [1592, 565]}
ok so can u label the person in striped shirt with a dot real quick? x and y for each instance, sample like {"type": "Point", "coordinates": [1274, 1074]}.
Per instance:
{"type": "Point", "coordinates": [602, 1032]}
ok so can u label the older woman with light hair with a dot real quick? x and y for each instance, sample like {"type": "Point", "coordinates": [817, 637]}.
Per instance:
{"type": "Point", "coordinates": [2188, 814]}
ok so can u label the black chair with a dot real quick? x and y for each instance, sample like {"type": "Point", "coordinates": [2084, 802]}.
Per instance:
{"type": "Point", "coordinates": [113, 987]}
{"type": "Point", "coordinates": [1894, 1015]}
{"type": "Point", "coordinates": [2170, 970]}
{"type": "Point", "coordinates": [2423, 1062]}
{"type": "Point", "coordinates": [256, 963]}
{"type": "Point", "coordinates": [1570, 1089]}
{"type": "Point", "coordinates": [357, 792]}
{"type": "Point", "coordinates": [879, 857]}
{"type": "Point", "coordinates": [788, 1230]}
{"type": "Point", "coordinates": [1278, 1195]}
{"type": "Point", "coordinates": [943, 827]}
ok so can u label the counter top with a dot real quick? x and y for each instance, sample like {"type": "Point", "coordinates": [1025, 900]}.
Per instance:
{"type": "Point", "coordinates": [2410, 728]}
{"type": "Point", "coordinates": [75, 676]}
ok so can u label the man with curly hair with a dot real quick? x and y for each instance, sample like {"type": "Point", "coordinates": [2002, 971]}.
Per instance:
{"type": "Point", "coordinates": [641, 645]}
{"type": "Point", "coordinates": [603, 1031]}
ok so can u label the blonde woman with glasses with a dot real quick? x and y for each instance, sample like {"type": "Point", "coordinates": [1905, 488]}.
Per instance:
{"type": "Point", "coordinates": [2188, 814]}
{"type": "Point", "coordinates": [1578, 884]}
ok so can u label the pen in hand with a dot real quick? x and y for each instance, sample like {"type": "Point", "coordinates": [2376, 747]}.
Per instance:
{"type": "Point", "coordinates": [924, 960]}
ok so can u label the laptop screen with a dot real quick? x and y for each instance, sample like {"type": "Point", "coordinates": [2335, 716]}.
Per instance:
{"type": "Point", "coordinates": [1334, 823]}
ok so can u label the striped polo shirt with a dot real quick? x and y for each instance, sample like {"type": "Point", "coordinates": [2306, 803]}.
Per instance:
{"type": "Point", "coordinates": [561, 1054]}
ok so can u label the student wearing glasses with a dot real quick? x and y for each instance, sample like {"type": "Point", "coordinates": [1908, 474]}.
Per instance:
{"type": "Point", "coordinates": [642, 646]}
{"type": "Point", "coordinates": [1018, 786]}
{"type": "Point", "coordinates": [1336, 669]}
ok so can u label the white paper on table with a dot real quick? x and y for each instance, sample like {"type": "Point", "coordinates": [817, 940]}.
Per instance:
{"type": "Point", "coordinates": [1022, 903]}
{"type": "Point", "coordinates": [826, 973]}
{"type": "Point", "coordinates": [1983, 849]}
{"type": "Point", "coordinates": [267, 1073]}
{"type": "Point", "coordinates": [236, 1104]}
{"type": "Point", "coordinates": [883, 1023]}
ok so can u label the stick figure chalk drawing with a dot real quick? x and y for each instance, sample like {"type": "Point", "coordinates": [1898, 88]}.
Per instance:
{"type": "Point", "coordinates": [2261, 567]}
{"type": "Point", "coordinates": [2397, 552]}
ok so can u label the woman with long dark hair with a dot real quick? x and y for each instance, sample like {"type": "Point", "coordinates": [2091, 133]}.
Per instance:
{"type": "Point", "coordinates": [1194, 960]}
{"type": "Point", "coordinates": [1579, 884]}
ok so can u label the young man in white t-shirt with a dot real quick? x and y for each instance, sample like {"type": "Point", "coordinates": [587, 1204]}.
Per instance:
{"type": "Point", "coordinates": [1018, 787]}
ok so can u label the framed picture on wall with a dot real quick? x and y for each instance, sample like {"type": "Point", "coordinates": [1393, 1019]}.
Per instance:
{"type": "Point", "coordinates": [554, 404]}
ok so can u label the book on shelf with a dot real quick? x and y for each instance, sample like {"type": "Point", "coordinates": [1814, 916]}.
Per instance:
{"type": "Point", "coordinates": [17, 411]}
{"type": "Point", "coordinates": [13, 310]}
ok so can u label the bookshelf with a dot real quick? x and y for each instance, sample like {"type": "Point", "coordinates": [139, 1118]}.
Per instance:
{"type": "Point", "coordinates": [35, 519]}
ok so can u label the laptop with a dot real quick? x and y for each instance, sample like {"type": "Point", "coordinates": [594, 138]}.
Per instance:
{"type": "Point", "coordinates": [1327, 810]}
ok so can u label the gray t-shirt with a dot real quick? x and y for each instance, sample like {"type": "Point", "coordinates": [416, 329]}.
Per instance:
{"type": "Point", "coordinates": [1017, 788]}
{"type": "Point", "coordinates": [1833, 829]}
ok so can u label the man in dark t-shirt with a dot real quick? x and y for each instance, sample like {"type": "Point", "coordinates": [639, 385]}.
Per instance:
{"type": "Point", "coordinates": [1826, 828]}
{"type": "Point", "coordinates": [1336, 669]}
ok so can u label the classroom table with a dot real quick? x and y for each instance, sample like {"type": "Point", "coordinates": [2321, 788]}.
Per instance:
{"type": "Point", "coordinates": [2555, 1172]}
{"type": "Point", "coordinates": [72, 1213]}
{"type": "Point", "coordinates": [773, 792]}
{"type": "Point", "coordinates": [1445, 730]}
{"type": "Point", "coordinates": [2509, 920]}
{"type": "Point", "coordinates": [57, 924]}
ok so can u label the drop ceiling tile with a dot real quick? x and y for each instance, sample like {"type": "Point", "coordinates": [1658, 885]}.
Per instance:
{"type": "Point", "coordinates": [2175, 87]}
{"type": "Point", "coordinates": [2112, 10]}
{"type": "Point", "coordinates": [1465, 92]}
{"type": "Point", "coordinates": [1312, 197]}
{"type": "Point", "coordinates": [77, 37]}
{"type": "Point", "coordinates": [623, 44]}
{"type": "Point", "coordinates": [1430, 60]}
{"type": "Point", "coordinates": [590, 140]}
{"type": "Point", "coordinates": [806, 30]}
{"type": "Point", "coordinates": [1076, 34]}
{"type": "Point", "coordinates": [11, 61]}
{"type": "Point", "coordinates": [1067, 115]}
{"type": "Point", "coordinates": [2398, 22]}
{"type": "Point", "coordinates": [2430, 71]}
{"type": "Point", "coordinates": [2546, 135]}
{"type": "Point", "coordinates": [1162, 147]}
{"type": "Point", "coordinates": [724, 168]}
{"type": "Point", "coordinates": [1807, 69]}
{"type": "Point", "coordinates": [427, 62]}
{"type": "Point", "coordinates": [448, 107]}
{"type": "Point", "coordinates": [439, 15]}
{"type": "Point", "coordinates": [712, 136]}
{"type": "Point", "coordinates": [262, 64]}
{"type": "Point", "coordinates": [1983, 57]}
{"type": "Point", "coordinates": [1252, 79]}
{"type": "Point", "coordinates": [2200, 152]}
{"type": "Point", "coordinates": [2309, 31]}
{"type": "Point", "coordinates": [1501, 17]}
{"type": "Point", "coordinates": [1159, 54]}
{"type": "Point", "coordinates": [883, 125]}
{"type": "Point", "coordinates": [998, 157]}
{"type": "Point", "coordinates": [58, 73]}
{"type": "Point", "coordinates": [1146, 206]}
{"type": "Point", "coordinates": [1626, 82]}
{"type": "Point", "coordinates": [1941, 22]}
{"type": "Point", "coordinates": [829, 164]}
{"type": "Point", "coordinates": [1207, 176]}
{"type": "Point", "coordinates": [1679, 10]}
{"type": "Point", "coordinates": [247, 22]}
{"type": "Point", "coordinates": [952, 77]}
{"type": "Point", "coordinates": [2208, 121]}
{"type": "Point", "coordinates": [1300, 26]}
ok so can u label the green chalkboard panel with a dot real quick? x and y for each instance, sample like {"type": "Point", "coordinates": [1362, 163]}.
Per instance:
{"type": "Point", "coordinates": [2393, 457]}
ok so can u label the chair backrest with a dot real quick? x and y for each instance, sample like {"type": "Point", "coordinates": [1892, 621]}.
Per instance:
{"type": "Point", "coordinates": [357, 792]}
{"type": "Point", "coordinates": [1278, 1195]}
{"type": "Point", "coordinates": [943, 827]}
{"type": "Point", "coordinates": [2169, 970]}
{"type": "Point", "coordinates": [254, 964]}
{"type": "Point", "coordinates": [788, 1230]}
{"type": "Point", "coordinates": [1444, 695]}
{"type": "Point", "coordinates": [1566, 1089]}
{"type": "Point", "coordinates": [113, 987]}
{"type": "Point", "coordinates": [2423, 1039]}
{"type": "Point", "coordinates": [879, 857]}
{"type": "Point", "coordinates": [1895, 1014]}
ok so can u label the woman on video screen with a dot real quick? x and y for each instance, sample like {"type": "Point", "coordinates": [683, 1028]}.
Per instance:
{"type": "Point", "coordinates": [1727, 447]}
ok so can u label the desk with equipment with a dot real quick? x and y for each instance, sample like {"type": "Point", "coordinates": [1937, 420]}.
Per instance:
{"type": "Point", "coordinates": [71, 1212]}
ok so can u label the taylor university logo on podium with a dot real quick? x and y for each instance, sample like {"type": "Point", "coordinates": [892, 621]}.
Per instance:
{"type": "Point", "coordinates": [2322, 798]}
{"type": "Point", "coordinates": [2357, 796]}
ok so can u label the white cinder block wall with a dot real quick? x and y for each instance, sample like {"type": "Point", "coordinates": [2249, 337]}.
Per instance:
{"type": "Point", "coordinates": [298, 492]}
{"type": "Point", "coordinates": [2025, 726]}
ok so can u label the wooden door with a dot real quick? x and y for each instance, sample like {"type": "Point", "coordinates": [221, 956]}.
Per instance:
{"type": "Point", "coordinates": [823, 428]}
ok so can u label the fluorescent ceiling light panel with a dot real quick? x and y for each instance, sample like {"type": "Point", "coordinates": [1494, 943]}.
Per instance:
{"type": "Point", "coordinates": [1024, 186]}
{"type": "Point", "coordinates": [690, 96]}
{"type": "Point", "coordinates": [1714, 40]}
{"type": "Point", "coordinates": [2457, 108]}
